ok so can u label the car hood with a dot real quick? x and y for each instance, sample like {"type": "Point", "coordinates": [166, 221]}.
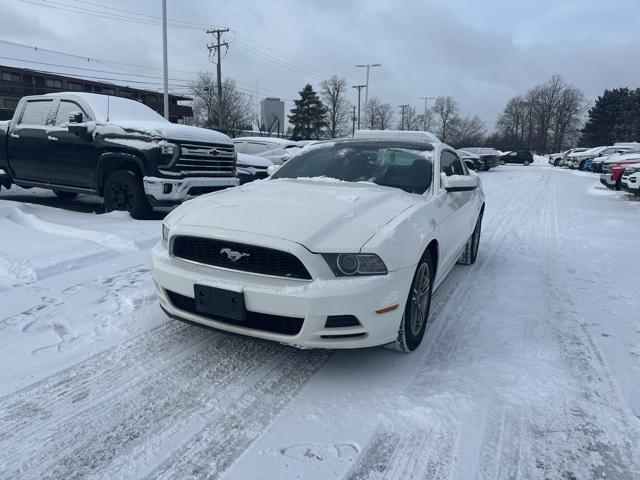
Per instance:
{"type": "Point", "coordinates": [324, 216]}
{"type": "Point", "coordinates": [253, 161]}
{"type": "Point", "coordinates": [174, 131]}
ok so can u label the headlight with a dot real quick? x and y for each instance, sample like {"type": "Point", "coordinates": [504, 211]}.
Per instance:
{"type": "Point", "coordinates": [165, 234]}
{"type": "Point", "coordinates": [355, 264]}
{"type": "Point", "coordinates": [167, 148]}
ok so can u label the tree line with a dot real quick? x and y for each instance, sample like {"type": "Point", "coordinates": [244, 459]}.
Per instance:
{"type": "Point", "coordinates": [549, 117]}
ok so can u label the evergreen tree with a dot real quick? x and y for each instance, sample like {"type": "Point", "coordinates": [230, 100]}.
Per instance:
{"type": "Point", "coordinates": [605, 118]}
{"type": "Point", "coordinates": [309, 115]}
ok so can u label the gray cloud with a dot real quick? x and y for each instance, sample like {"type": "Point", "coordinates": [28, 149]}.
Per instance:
{"type": "Point", "coordinates": [480, 54]}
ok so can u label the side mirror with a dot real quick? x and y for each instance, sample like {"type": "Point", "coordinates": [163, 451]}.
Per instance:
{"type": "Point", "coordinates": [271, 169]}
{"type": "Point", "coordinates": [75, 117]}
{"type": "Point", "coordinates": [459, 183]}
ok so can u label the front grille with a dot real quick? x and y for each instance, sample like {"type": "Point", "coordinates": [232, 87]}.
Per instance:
{"type": "Point", "coordinates": [256, 321]}
{"type": "Point", "coordinates": [210, 158]}
{"type": "Point", "coordinates": [238, 256]}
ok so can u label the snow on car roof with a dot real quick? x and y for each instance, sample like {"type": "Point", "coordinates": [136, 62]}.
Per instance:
{"type": "Point", "coordinates": [415, 136]}
{"type": "Point", "coordinates": [279, 141]}
{"type": "Point", "coordinates": [114, 109]}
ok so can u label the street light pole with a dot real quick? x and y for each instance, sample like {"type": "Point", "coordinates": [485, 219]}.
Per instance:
{"type": "Point", "coordinates": [424, 120]}
{"type": "Point", "coordinates": [359, 87]}
{"type": "Point", "coordinates": [366, 93]}
{"type": "Point", "coordinates": [165, 65]}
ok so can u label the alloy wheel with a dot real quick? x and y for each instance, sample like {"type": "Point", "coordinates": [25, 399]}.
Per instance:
{"type": "Point", "coordinates": [420, 299]}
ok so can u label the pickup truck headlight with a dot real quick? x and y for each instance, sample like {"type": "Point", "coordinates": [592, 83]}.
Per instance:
{"type": "Point", "coordinates": [355, 264]}
{"type": "Point", "coordinates": [167, 148]}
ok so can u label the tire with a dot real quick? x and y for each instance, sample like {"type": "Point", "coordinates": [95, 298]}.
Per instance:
{"type": "Point", "coordinates": [502, 162]}
{"type": "Point", "coordinates": [414, 320]}
{"type": "Point", "coordinates": [123, 191]}
{"type": "Point", "coordinates": [581, 166]}
{"type": "Point", "coordinates": [485, 168]}
{"type": "Point", "coordinates": [470, 252]}
{"type": "Point", "coordinates": [618, 186]}
{"type": "Point", "coordinates": [65, 195]}
{"type": "Point", "coordinates": [526, 163]}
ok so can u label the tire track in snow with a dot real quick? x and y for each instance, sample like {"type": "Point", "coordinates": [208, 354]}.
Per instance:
{"type": "Point", "coordinates": [230, 431]}
{"type": "Point", "coordinates": [154, 406]}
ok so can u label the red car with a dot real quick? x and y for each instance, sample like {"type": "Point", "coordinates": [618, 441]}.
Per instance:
{"type": "Point", "coordinates": [612, 172]}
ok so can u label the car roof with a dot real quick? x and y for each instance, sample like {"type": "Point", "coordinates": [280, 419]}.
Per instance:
{"type": "Point", "coordinates": [280, 141]}
{"type": "Point", "coordinates": [380, 142]}
{"type": "Point", "coordinates": [410, 135]}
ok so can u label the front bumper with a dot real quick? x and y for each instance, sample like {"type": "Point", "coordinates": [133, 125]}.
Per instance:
{"type": "Point", "coordinates": [168, 191]}
{"type": "Point", "coordinates": [311, 301]}
{"type": "Point", "coordinates": [607, 181]}
{"type": "Point", "coordinates": [631, 183]}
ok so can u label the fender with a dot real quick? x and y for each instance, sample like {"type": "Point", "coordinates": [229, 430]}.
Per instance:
{"type": "Point", "coordinates": [107, 158]}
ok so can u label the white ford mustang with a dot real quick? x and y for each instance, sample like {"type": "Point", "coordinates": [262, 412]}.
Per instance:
{"type": "Point", "coordinates": [341, 247]}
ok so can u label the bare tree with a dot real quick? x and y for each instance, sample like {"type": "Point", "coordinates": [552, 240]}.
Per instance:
{"type": "Point", "coordinates": [237, 107]}
{"type": "Point", "coordinates": [468, 130]}
{"type": "Point", "coordinates": [379, 115]}
{"type": "Point", "coordinates": [411, 120]}
{"type": "Point", "coordinates": [334, 96]}
{"type": "Point", "coordinates": [444, 108]}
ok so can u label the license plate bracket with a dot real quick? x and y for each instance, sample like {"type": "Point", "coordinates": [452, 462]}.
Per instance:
{"type": "Point", "coordinates": [218, 302]}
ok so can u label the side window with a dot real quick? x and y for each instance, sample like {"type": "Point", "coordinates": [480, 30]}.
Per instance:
{"type": "Point", "coordinates": [35, 112]}
{"type": "Point", "coordinates": [65, 109]}
{"type": "Point", "coordinates": [255, 148]}
{"type": "Point", "coordinates": [450, 164]}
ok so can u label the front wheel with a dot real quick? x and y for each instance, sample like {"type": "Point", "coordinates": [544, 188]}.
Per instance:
{"type": "Point", "coordinates": [581, 166]}
{"type": "Point", "coordinates": [416, 311]}
{"type": "Point", "coordinates": [526, 163]}
{"type": "Point", "coordinates": [502, 162]}
{"type": "Point", "coordinates": [123, 191]}
{"type": "Point", "coordinates": [65, 195]}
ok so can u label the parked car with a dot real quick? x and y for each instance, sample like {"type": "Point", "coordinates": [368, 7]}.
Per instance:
{"type": "Point", "coordinates": [631, 179]}
{"type": "Point", "coordinates": [471, 160]}
{"type": "Point", "coordinates": [517, 156]}
{"type": "Point", "coordinates": [613, 169]}
{"type": "Point", "coordinates": [278, 150]}
{"type": "Point", "coordinates": [252, 167]}
{"type": "Point", "coordinates": [490, 156]}
{"type": "Point", "coordinates": [113, 147]}
{"type": "Point", "coordinates": [557, 159]}
{"type": "Point", "coordinates": [342, 247]}
{"type": "Point", "coordinates": [609, 154]}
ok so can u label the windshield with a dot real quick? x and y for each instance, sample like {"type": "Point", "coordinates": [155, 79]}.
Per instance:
{"type": "Point", "coordinates": [409, 169]}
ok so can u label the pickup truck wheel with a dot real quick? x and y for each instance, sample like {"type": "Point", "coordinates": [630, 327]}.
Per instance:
{"type": "Point", "coordinates": [470, 252]}
{"type": "Point", "coordinates": [65, 195]}
{"type": "Point", "coordinates": [526, 163]}
{"type": "Point", "coordinates": [416, 311]}
{"type": "Point", "coordinates": [123, 191]}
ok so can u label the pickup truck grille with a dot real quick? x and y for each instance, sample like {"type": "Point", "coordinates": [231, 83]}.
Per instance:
{"type": "Point", "coordinates": [212, 159]}
{"type": "Point", "coordinates": [239, 256]}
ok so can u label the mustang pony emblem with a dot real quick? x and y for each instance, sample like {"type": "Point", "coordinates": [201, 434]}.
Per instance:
{"type": "Point", "coordinates": [233, 255]}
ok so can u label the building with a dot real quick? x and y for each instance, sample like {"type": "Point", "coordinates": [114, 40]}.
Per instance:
{"type": "Point", "coordinates": [272, 115]}
{"type": "Point", "coordinates": [26, 70]}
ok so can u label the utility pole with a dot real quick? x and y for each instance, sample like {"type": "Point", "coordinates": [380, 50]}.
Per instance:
{"type": "Point", "coordinates": [165, 64]}
{"type": "Point", "coordinates": [403, 108]}
{"type": "Point", "coordinates": [366, 92]}
{"type": "Point", "coordinates": [218, 33]}
{"type": "Point", "coordinates": [359, 87]}
{"type": "Point", "coordinates": [424, 120]}
{"type": "Point", "coordinates": [353, 119]}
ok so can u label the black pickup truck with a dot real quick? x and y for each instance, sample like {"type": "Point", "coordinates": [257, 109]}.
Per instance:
{"type": "Point", "coordinates": [113, 147]}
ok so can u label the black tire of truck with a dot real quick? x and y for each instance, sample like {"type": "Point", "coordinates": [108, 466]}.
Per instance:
{"type": "Point", "coordinates": [65, 195]}
{"type": "Point", "coordinates": [123, 190]}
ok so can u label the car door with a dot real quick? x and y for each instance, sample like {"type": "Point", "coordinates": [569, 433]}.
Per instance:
{"type": "Point", "coordinates": [455, 212]}
{"type": "Point", "coordinates": [71, 157]}
{"type": "Point", "coordinates": [27, 143]}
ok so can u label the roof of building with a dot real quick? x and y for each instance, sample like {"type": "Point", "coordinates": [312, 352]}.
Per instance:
{"type": "Point", "coordinates": [38, 59]}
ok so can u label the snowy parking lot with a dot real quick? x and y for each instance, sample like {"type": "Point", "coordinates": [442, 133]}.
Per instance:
{"type": "Point", "coordinates": [530, 366]}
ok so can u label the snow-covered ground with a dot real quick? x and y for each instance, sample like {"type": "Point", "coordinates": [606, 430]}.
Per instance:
{"type": "Point", "coordinates": [530, 366]}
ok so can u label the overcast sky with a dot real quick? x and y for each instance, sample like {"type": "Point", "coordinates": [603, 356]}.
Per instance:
{"type": "Point", "coordinates": [479, 52]}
